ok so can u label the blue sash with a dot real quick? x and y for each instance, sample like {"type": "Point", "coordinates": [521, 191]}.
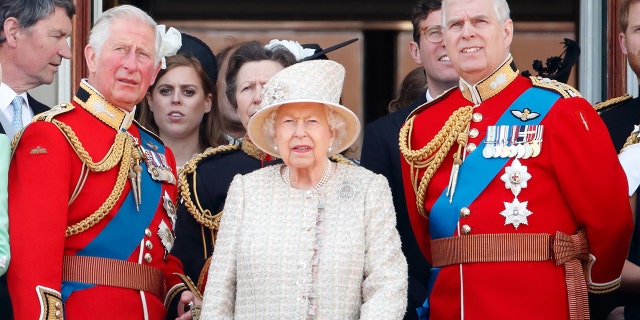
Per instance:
{"type": "Point", "coordinates": [122, 235]}
{"type": "Point", "coordinates": [476, 172]}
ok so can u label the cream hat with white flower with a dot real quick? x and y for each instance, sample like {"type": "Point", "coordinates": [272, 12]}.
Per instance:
{"type": "Point", "coordinates": [317, 81]}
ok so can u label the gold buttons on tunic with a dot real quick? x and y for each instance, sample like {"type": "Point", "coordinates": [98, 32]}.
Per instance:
{"type": "Point", "coordinates": [147, 257]}
{"type": "Point", "coordinates": [471, 147]}
{"type": "Point", "coordinates": [473, 133]}
{"type": "Point", "coordinates": [148, 233]}
{"type": "Point", "coordinates": [148, 244]}
{"type": "Point", "coordinates": [465, 212]}
{"type": "Point", "coordinates": [466, 229]}
{"type": "Point", "coordinates": [477, 117]}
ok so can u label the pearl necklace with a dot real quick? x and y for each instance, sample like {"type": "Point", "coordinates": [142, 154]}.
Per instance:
{"type": "Point", "coordinates": [321, 183]}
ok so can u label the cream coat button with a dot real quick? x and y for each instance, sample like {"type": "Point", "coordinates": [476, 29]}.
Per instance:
{"type": "Point", "coordinates": [471, 147]}
{"type": "Point", "coordinates": [465, 212]}
{"type": "Point", "coordinates": [148, 244]}
{"type": "Point", "coordinates": [466, 229]}
{"type": "Point", "coordinates": [148, 233]}
{"type": "Point", "coordinates": [473, 133]}
{"type": "Point", "coordinates": [147, 257]}
{"type": "Point", "coordinates": [477, 117]}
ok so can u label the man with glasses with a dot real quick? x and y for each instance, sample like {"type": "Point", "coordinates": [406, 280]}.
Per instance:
{"type": "Point", "coordinates": [380, 151]}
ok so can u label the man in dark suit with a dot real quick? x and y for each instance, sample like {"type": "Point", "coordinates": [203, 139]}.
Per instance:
{"type": "Point", "coordinates": [33, 42]}
{"type": "Point", "coordinates": [380, 151]}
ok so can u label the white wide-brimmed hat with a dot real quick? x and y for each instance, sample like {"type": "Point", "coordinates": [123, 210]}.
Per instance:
{"type": "Point", "coordinates": [317, 81]}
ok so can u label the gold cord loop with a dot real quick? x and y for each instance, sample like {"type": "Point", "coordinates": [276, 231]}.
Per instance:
{"type": "Point", "coordinates": [430, 156]}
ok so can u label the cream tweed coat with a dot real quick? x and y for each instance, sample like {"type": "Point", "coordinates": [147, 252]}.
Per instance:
{"type": "Point", "coordinates": [263, 264]}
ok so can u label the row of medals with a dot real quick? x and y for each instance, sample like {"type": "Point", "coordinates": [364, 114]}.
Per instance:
{"type": "Point", "coordinates": [517, 141]}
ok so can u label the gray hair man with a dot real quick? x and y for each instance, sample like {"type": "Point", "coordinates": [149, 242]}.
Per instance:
{"type": "Point", "coordinates": [108, 230]}
{"type": "Point", "coordinates": [33, 42]}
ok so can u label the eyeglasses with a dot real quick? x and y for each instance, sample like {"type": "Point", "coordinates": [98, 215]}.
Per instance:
{"type": "Point", "coordinates": [433, 34]}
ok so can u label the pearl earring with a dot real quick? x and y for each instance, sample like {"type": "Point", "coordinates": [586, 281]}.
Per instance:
{"type": "Point", "coordinates": [275, 148]}
{"type": "Point", "coordinates": [329, 148]}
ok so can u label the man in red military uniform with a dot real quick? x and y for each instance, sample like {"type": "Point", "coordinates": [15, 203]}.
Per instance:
{"type": "Point", "coordinates": [94, 242]}
{"type": "Point", "coordinates": [512, 183]}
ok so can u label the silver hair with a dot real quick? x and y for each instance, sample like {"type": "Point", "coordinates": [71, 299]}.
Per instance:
{"type": "Point", "coordinates": [29, 12]}
{"type": "Point", "coordinates": [336, 124]}
{"type": "Point", "coordinates": [100, 31]}
{"type": "Point", "coordinates": [500, 7]}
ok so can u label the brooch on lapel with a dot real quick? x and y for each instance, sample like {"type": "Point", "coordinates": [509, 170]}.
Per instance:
{"type": "Point", "coordinates": [346, 192]}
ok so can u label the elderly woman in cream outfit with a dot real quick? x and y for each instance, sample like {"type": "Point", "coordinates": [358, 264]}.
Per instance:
{"type": "Point", "coordinates": [308, 239]}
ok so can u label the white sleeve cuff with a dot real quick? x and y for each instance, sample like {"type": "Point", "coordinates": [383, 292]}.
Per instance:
{"type": "Point", "coordinates": [630, 160]}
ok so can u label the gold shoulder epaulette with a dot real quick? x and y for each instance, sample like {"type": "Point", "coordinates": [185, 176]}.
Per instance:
{"type": "Point", "coordinates": [426, 105]}
{"type": "Point", "coordinates": [51, 113]}
{"type": "Point", "coordinates": [188, 190]}
{"type": "Point", "coordinates": [607, 104]}
{"type": "Point", "coordinates": [43, 116]}
{"type": "Point", "coordinates": [563, 89]}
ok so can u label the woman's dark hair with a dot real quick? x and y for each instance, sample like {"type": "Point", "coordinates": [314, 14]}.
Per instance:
{"type": "Point", "coordinates": [412, 87]}
{"type": "Point", "coordinates": [210, 132]}
{"type": "Point", "coordinates": [249, 52]}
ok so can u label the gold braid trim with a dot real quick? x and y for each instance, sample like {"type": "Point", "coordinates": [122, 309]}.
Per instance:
{"type": "Point", "coordinates": [338, 158]}
{"type": "Point", "coordinates": [431, 155]}
{"type": "Point", "coordinates": [110, 160]}
{"type": "Point", "coordinates": [251, 149]}
{"type": "Point", "coordinates": [110, 202]}
{"type": "Point", "coordinates": [202, 216]}
{"type": "Point", "coordinates": [602, 106]}
{"type": "Point", "coordinates": [631, 139]}
{"type": "Point", "coordinates": [120, 152]}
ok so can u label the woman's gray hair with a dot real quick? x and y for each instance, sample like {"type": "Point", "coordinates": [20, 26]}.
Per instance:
{"type": "Point", "coordinates": [100, 31]}
{"type": "Point", "coordinates": [336, 124]}
{"type": "Point", "coordinates": [29, 12]}
{"type": "Point", "coordinates": [500, 7]}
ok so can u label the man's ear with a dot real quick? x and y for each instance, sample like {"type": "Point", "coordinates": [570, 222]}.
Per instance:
{"type": "Point", "coordinates": [155, 73]}
{"type": "Point", "coordinates": [414, 49]}
{"type": "Point", "coordinates": [149, 101]}
{"type": "Point", "coordinates": [622, 38]}
{"type": "Point", "coordinates": [90, 57]}
{"type": "Point", "coordinates": [508, 32]}
{"type": "Point", "coordinates": [10, 30]}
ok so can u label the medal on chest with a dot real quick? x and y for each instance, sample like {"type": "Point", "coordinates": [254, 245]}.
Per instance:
{"type": "Point", "coordinates": [157, 165]}
{"type": "Point", "coordinates": [517, 141]}
{"type": "Point", "coordinates": [170, 208]}
{"type": "Point", "coordinates": [515, 178]}
{"type": "Point", "coordinates": [166, 237]}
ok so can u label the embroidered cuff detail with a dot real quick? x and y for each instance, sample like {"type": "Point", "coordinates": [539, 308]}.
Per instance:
{"type": "Point", "coordinates": [174, 292]}
{"type": "Point", "coordinates": [50, 303]}
{"type": "Point", "coordinates": [599, 288]}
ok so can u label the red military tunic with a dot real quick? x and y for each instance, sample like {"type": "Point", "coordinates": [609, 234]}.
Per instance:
{"type": "Point", "coordinates": [574, 183]}
{"type": "Point", "coordinates": [52, 189]}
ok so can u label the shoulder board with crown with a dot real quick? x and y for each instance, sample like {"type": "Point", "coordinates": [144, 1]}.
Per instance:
{"type": "Point", "coordinates": [53, 112]}
{"type": "Point", "coordinates": [437, 99]}
{"type": "Point", "coordinates": [611, 103]}
{"type": "Point", "coordinates": [44, 116]}
{"type": "Point", "coordinates": [563, 89]}
{"type": "Point", "coordinates": [203, 216]}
